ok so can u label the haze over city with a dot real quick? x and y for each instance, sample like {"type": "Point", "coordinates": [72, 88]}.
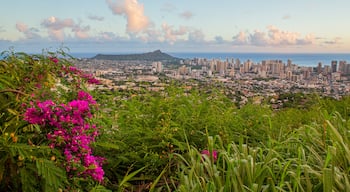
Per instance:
{"type": "Point", "coordinates": [314, 26]}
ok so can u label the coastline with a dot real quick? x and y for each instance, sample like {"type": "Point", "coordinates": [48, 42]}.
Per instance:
{"type": "Point", "coordinates": [301, 59]}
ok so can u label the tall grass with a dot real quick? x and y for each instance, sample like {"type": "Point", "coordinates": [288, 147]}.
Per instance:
{"type": "Point", "coordinates": [311, 158]}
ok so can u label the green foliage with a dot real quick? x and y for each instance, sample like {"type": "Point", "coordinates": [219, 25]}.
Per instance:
{"type": "Point", "coordinates": [152, 141]}
{"type": "Point", "coordinates": [260, 149]}
{"type": "Point", "coordinates": [26, 161]}
{"type": "Point", "coordinates": [312, 157]}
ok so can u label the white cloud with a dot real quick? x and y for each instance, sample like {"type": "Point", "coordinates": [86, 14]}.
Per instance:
{"type": "Point", "coordinates": [81, 32]}
{"type": "Point", "coordinates": [334, 41]}
{"type": "Point", "coordinates": [196, 36]}
{"type": "Point", "coordinates": [21, 27]}
{"type": "Point", "coordinates": [57, 24]}
{"type": "Point", "coordinates": [258, 38]}
{"type": "Point", "coordinates": [107, 36]}
{"type": "Point", "coordinates": [186, 15]}
{"type": "Point", "coordinates": [56, 28]}
{"type": "Point", "coordinates": [29, 33]}
{"type": "Point", "coordinates": [240, 39]}
{"type": "Point", "coordinates": [133, 12]}
{"type": "Point", "coordinates": [171, 35]}
{"type": "Point", "coordinates": [273, 37]}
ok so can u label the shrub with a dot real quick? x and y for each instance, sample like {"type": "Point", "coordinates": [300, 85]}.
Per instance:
{"type": "Point", "coordinates": [39, 89]}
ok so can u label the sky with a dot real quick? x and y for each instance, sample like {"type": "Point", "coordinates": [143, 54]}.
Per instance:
{"type": "Point", "coordinates": [133, 26]}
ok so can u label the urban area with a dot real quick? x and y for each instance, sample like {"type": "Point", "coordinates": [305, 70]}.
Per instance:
{"type": "Point", "coordinates": [251, 80]}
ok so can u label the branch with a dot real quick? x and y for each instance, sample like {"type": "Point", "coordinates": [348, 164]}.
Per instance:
{"type": "Point", "coordinates": [13, 91]}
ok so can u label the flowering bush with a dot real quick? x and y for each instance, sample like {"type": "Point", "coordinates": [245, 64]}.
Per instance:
{"type": "Point", "coordinates": [70, 132]}
{"type": "Point", "coordinates": [47, 125]}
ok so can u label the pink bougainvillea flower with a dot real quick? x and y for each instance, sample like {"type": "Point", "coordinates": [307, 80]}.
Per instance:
{"type": "Point", "coordinates": [70, 131]}
{"type": "Point", "coordinates": [54, 59]}
{"type": "Point", "coordinates": [207, 153]}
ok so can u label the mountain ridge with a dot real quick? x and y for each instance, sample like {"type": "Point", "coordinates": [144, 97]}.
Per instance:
{"type": "Point", "coordinates": [156, 55]}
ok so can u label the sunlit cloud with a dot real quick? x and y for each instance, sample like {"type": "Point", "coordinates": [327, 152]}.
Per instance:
{"type": "Point", "coordinates": [133, 12]}
{"type": "Point", "coordinates": [273, 37]}
{"type": "Point", "coordinates": [21, 27]}
{"type": "Point", "coordinates": [81, 32]}
{"type": "Point", "coordinates": [171, 35]}
{"type": "Point", "coordinates": [186, 15]}
{"type": "Point", "coordinates": [56, 26]}
{"type": "Point", "coordinates": [240, 39]}
{"type": "Point", "coordinates": [29, 33]}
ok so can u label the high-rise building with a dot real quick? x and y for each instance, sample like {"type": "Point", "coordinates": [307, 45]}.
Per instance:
{"type": "Point", "coordinates": [319, 68]}
{"type": "Point", "coordinates": [334, 66]}
{"type": "Point", "coordinates": [289, 63]}
{"type": "Point", "coordinates": [342, 67]}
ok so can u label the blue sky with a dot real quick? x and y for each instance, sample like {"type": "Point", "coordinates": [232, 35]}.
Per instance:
{"type": "Point", "coordinates": [176, 26]}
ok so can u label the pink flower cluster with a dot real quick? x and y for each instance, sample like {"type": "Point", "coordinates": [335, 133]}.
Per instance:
{"type": "Point", "coordinates": [207, 153]}
{"type": "Point", "coordinates": [88, 77]}
{"type": "Point", "coordinates": [54, 59]}
{"type": "Point", "coordinates": [69, 131]}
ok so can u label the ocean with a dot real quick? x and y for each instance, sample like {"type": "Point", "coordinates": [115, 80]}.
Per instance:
{"type": "Point", "coordinates": [301, 59]}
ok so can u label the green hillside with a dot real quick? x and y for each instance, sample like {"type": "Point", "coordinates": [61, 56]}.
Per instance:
{"type": "Point", "coordinates": [150, 56]}
{"type": "Point", "coordinates": [58, 135]}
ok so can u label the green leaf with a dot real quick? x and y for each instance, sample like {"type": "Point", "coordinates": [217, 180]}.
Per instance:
{"type": "Point", "coordinates": [130, 176]}
{"type": "Point", "coordinates": [54, 177]}
{"type": "Point", "coordinates": [28, 180]}
{"type": "Point", "coordinates": [99, 188]}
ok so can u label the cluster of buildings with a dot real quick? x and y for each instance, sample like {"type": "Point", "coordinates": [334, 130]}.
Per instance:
{"type": "Point", "coordinates": [267, 77]}
{"type": "Point", "coordinates": [265, 69]}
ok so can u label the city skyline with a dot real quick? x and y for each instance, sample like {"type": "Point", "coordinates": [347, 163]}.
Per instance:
{"type": "Point", "coordinates": [182, 26]}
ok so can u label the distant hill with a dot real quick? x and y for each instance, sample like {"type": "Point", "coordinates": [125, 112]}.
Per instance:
{"type": "Point", "coordinates": [150, 56]}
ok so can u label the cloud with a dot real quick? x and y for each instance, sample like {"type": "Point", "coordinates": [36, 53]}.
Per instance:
{"type": "Point", "coordinates": [240, 39]}
{"type": "Point", "coordinates": [334, 41]}
{"type": "Point", "coordinates": [258, 38]}
{"type": "Point", "coordinates": [29, 33]}
{"type": "Point", "coordinates": [21, 27]}
{"type": "Point", "coordinates": [57, 24]}
{"type": "Point", "coordinates": [133, 12]}
{"type": "Point", "coordinates": [107, 36]}
{"type": "Point", "coordinates": [56, 27]}
{"type": "Point", "coordinates": [196, 36]}
{"type": "Point", "coordinates": [286, 17]}
{"type": "Point", "coordinates": [186, 15]}
{"type": "Point", "coordinates": [273, 37]}
{"type": "Point", "coordinates": [81, 32]}
{"type": "Point", "coordinates": [2, 29]}
{"type": "Point", "coordinates": [95, 17]}
{"type": "Point", "coordinates": [171, 35]}
{"type": "Point", "coordinates": [219, 39]}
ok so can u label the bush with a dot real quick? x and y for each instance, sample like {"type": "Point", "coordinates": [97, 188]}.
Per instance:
{"type": "Point", "coordinates": [38, 128]}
